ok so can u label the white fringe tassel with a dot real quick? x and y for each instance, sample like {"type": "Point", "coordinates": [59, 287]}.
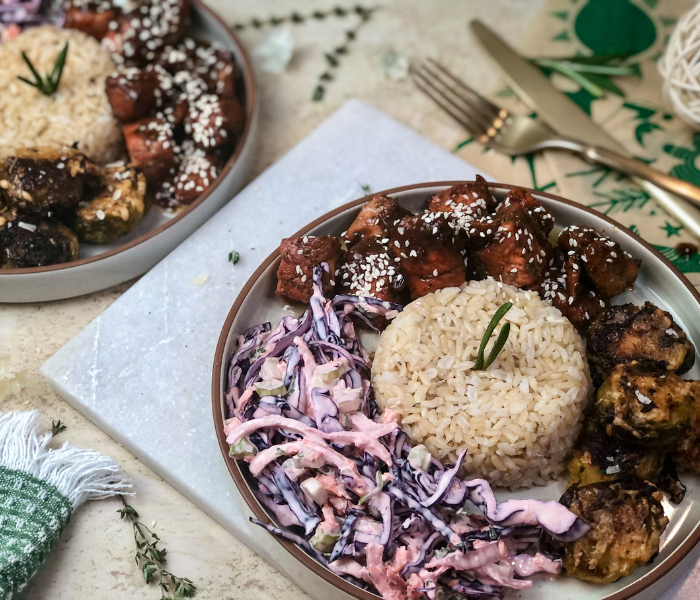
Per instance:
{"type": "Point", "coordinates": [79, 474]}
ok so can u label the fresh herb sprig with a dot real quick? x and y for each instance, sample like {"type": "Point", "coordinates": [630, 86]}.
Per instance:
{"type": "Point", "coordinates": [500, 341]}
{"type": "Point", "coordinates": [296, 18]}
{"type": "Point", "coordinates": [334, 57]}
{"type": "Point", "coordinates": [151, 559]}
{"type": "Point", "coordinates": [49, 83]}
{"type": "Point", "coordinates": [592, 73]}
{"type": "Point", "coordinates": [57, 427]}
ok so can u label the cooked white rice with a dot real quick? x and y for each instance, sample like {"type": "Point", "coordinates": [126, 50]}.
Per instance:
{"type": "Point", "coordinates": [79, 110]}
{"type": "Point", "coordinates": [520, 417]}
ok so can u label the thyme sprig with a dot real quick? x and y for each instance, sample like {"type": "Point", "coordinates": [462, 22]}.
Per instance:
{"type": "Point", "coordinates": [334, 57]}
{"type": "Point", "coordinates": [49, 83]}
{"type": "Point", "coordinates": [500, 341]}
{"type": "Point", "coordinates": [296, 18]}
{"type": "Point", "coordinates": [592, 73]}
{"type": "Point", "coordinates": [151, 559]}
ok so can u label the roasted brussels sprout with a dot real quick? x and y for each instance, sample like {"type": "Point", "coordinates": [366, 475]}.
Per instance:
{"type": "Point", "coordinates": [626, 519]}
{"type": "Point", "coordinates": [687, 453]}
{"type": "Point", "coordinates": [603, 457]}
{"type": "Point", "coordinates": [642, 463]}
{"type": "Point", "coordinates": [117, 208]}
{"type": "Point", "coordinates": [643, 404]}
{"type": "Point", "coordinates": [625, 333]}
{"type": "Point", "coordinates": [26, 244]}
{"type": "Point", "coordinates": [41, 179]}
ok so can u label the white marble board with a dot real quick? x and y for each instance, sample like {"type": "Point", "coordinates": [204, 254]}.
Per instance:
{"type": "Point", "coordinates": [142, 370]}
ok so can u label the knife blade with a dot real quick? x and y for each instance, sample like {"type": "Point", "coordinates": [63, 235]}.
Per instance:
{"type": "Point", "coordinates": [567, 118]}
{"type": "Point", "coordinates": [556, 109]}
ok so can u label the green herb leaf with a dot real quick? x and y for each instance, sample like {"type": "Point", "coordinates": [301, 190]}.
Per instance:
{"type": "Point", "coordinates": [127, 511]}
{"type": "Point", "coordinates": [366, 189]}
{"type": "Point", "coordinates": [605, 83]}
{"type": "Point", "coordinates": [57, 427]}
{"type": "Point", "coordinates": [151, 559]}
{"type": "Point", "coordinates": [147, 570]}
{"type": "Point", "coordinates": [39, 83]}
{"type": "Point", "coordinates": [592, 73]}
{"type": "Point", "coordinates": [498, 346]}
{"type": "Point", "coordinates": [318, 93]}
{"type": "Point", "coordinates": [498, 315]}
{"type": "Point", "coordinates": [58, 67]}
{"type": "Point", "coordinates": [32, 83]}
{"type": "Point", "coordinates": [566, 70]}
{"type": "Point", "coordinates": [234, 257]}
{"type": "Point", "coordinates": [49, 84]}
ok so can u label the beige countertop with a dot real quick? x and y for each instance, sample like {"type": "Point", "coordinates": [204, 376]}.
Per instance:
{"type": "Point", "coordinates": [95, 556]}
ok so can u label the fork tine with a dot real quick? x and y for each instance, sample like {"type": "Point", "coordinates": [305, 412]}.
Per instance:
{"type": "Point", "coordinates": [490, 122]}
{"type": "Point", "coordinates": [449, 107]}
{"type": "Point", "coordinates": [496, 111]}
{"type": "Point", "coordinates": [480, 124]}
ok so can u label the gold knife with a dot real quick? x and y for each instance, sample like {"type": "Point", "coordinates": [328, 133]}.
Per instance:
{"type": "Point", "coordinates": [568, 119]}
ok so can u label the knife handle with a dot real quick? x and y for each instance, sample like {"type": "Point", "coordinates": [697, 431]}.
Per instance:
{"type": "Point", "coordinates": [636, 168]}
{"type": "Point", "coordinates": [655, 183]}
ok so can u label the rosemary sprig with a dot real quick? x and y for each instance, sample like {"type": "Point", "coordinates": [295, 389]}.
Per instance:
{"type": "Point", "coordinates": [151, 559]}
{"type": "Point", "coordinates": [57, 427]}
{"type": "Point", "coordinates": [500, 341]}
{"type": "Point", "coordinates": [49, 83]}
{"type": "Point", "coordinates": [592, 73]}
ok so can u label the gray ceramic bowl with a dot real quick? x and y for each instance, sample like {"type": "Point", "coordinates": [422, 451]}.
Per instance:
{"type": "Point", "coordinates": [658, 281]}
{"type": "Point", "coordinates": [101, 266]}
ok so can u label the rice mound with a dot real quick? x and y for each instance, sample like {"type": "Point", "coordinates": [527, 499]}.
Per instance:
{"type": "Point", "coordinates": [518, 419]}
{"type": "Point", "coordinates": [79, 110]}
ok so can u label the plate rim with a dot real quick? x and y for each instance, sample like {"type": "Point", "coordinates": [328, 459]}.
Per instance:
{"type": "Point", "coordinates": [250, 110]}
{"type": "Point", "coordinates": [656, 574]}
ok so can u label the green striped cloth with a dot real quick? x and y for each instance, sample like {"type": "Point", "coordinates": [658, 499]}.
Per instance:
{"type": "Point", "coordinates": [39, 490]}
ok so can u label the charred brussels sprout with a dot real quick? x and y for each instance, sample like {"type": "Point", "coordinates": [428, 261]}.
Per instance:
{"type": "Point", "coordinates": [626, 333]}
{"type": "Point", "coordinates": [24, 244]}
{"type": "Point", "coordinates": [644, 404]}
{"type": "Point", "coordinates": [38, 180]}
{"type": "Point", "coordinates": [603, 457]}
{"type": "Point", "coordinates": [687, 454]}
{"type": "Point", "coordinates": [641, 463]}
{"type": "Point", "coordinates": [626, 519]}
{"type": "Point", "coordinates": [116, 209]}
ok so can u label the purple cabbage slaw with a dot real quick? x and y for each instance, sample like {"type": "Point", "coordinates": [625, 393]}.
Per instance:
{"type": "Point", "coordinates": [345, 485]}
{"type": "Point", "coordinates": [15, 15]}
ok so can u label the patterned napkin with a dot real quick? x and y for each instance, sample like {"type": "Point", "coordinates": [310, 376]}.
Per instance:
{"type": "Point", "coordinates": [40, 488]}
{"type": "Point", "coordinates": [639, 120]}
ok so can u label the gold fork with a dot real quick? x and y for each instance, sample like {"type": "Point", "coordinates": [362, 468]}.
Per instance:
{"type": "Point", "coordinates": [515, 135]}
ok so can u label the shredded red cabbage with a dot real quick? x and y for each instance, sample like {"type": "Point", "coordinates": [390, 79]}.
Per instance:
{"type": "Point", "coordinates": [337, 476]}
{"type": "Point", "coordinates": [16, 15]}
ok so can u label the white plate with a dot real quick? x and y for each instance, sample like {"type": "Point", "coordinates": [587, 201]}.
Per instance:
{"type": "Point", "coordinates": [160, 231]}
{"type": "Point", "coordinates": [658, 282]}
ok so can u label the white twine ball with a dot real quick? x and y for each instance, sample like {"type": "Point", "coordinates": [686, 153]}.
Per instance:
{"type": "Point", "coordinates": [680, 68]}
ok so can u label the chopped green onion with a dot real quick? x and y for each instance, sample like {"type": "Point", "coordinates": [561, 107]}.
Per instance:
{"type": "Point", "coordinates": [242, 448]}
{"type": "Point", "coordinates": [500, 342]}
{"type": "Point", "coordinates": [375, 491]}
